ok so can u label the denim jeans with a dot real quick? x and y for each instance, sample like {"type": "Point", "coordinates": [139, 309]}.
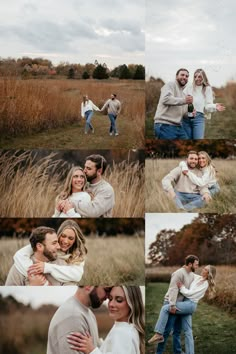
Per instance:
{"type": "Point", "coordinates": [188, 201]}
{"type": "Point", "coordinates": [113, 123]}
{"type": "Point", "coordinates": [195, 127]}
{"type": "Point", "coordinates": [88, 117]}
{"type": "Point", "coordinates": [214, 189]}
{"type": "Point", "coordinates": [178, 323]}
{"type": "Point", "coordinates": [167, 131]}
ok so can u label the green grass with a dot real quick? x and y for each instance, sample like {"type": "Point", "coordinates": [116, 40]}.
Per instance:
{"type": "Point", "coordinates": [72, 136]}
{"type": "Point", "coordinates": [213, 329]}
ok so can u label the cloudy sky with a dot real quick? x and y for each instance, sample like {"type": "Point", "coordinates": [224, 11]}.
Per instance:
{"type": "Point", "coordinates": [191, 34]}
{"type": "Point", "coordinates": [75, 31]}
{"type": "Point", "coordinates": [155, 222]}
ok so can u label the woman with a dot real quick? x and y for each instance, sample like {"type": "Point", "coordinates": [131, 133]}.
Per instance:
{"type": "Point", "coordinates": [196, 292]}
{"type": "Point", "coordinates": [73, 194]}
{"type": "Point", "coordinates": [208, 178]}
{"type": "Point", "coordinates": [72, 250]}
{"type": "Point", "coordinates": [202, 102]}
{"type": "Point", "coordinates": [127, 334]}
{"type": "Point", "coordinates": [87, 107]}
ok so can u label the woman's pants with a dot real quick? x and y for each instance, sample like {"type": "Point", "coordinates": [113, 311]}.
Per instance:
{"type": "Point", "coordinates": [194, 127]}
{"type": "Point", "coordinates": [88, 117]}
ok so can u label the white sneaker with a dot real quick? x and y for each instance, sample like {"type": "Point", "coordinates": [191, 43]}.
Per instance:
{"type": "Point", "coordinates": [92, 131]}
{"type": "Point", "coordinates": [116, 134]}
{"type": "Point", "coordinates": [110, 134]}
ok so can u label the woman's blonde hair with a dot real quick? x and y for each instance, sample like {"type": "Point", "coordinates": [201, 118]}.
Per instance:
{"type": "Point", "coordinates": [209, 163]}
{"type": "Point", "coordinates": [77, 252]}
{"type": "Point", "coordinates": [136, 317]}
{"type": "Point", "coordinates": [205, 81]}
{"type": "Point", "coordinates": [211, 280]}
{"type": "Point", "coordinates": [67, 189]}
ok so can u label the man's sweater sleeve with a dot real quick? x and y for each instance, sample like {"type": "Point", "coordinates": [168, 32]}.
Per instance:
{"type": "Point", "coordinates": [170, 179]}
{"type": "Point", "coordinates": [168, 97]}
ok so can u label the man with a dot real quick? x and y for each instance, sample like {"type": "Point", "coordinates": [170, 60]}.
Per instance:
{"type": "Point", "coordinates": [113, 106]}
{"type": "Point", "coordinates": [44, 243]}
{"type": "Point", "coordinates": [179, 187]}
{"type": "Point", "coordinates": [186, 276]}
{"type": "Point", "coordinates": [103, 199]}
{"type": "Point", "coordinates": [75, 316]}
{"type": "Point", "coordinates": [171, 108]}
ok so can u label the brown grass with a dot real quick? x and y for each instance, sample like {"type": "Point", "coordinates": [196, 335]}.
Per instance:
{"type": "Point", "coordinates": [110, 261]}
{"type": "Point", "coordinates": [29, 106]}
{"type": "Point", "coordinates": [157, 201]}
{"type": "Point", "coordinates": [30, 191]}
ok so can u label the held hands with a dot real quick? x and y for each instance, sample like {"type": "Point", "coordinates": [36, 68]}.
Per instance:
{"type": "Point", "coordinates": [172, 309]}
{"type": "Point", "coordinates": [81, 342]}
{"type": "Point", "coordinates": [36, 268]}
{"type": "Point", "coordinates": [37, 280]}
{"type": "Point", "coordinates": [67, 206]}
{"type": "Point", "coordinates": [179, 284]}
{"type": "Point", "coordinates": [220, 107]}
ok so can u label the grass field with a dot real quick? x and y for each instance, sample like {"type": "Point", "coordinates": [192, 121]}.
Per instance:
{"type": "Point", "coordinates": [213, 328]}
{"type": "Point", "coordinates": [46, 114]}
{"type": "Point", "coordinates": [222, 125]}
{"type": "Point", "coordinates": [31, 191]}
{"type": "Point", "coordinates": [157, 201]}
{"type": "Point", "coordinates": [110, 261]}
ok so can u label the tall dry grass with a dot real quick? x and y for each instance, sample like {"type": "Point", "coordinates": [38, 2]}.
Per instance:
{"type": "Point", "coordinates": [29, 187]}
{"type": "Point", "coordinates": [156, 199]}
{"type": "Point", "coordinates": [29, 106]}
{"type": "Point", "coordinates": [225, 284]}
{"type": "Point", "coordinates": [110, 260]}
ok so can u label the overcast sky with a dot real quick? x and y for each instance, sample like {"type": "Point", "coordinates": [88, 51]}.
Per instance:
{"type": "Point", "coordinates": [39, 295]}
{"type": "Point", "coordinates": [191, 34]}
{"type": "Point", "coordinates": [75, 31]}
{"type": "Point", "coordinates": [155, 222]}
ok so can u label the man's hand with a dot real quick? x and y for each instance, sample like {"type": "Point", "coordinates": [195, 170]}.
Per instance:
{"type": "Point", "coordinates": [206, 197]}
{"type": "Point", "coordinates": [37, 280]}
{"type": "Point", "coordinates": [37, 268]}
{"type": "Point", "coordinates": [189, 99]}
{"type": "Point", "coordinates": [179, 284]}
{"type": "Point", "coordinates": [171, 194]}
{"type": "Point", "coordinates": [172, 309]}
{"type": "Point", "coordinates": [67, 206]}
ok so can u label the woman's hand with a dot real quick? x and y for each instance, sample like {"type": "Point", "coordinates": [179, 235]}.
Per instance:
{"type": "Point", "coordinates": [179, 284]}
{"type": "Point", "coordinates": [220, 107]}
{"type": "Point", "coordinates": [60, 205]}
{"type": "Point", "coordinates": [36, 268]}
{"type": "Point", "coordinates": [81, 342]}
{"type": "Point", "coordinates": [67, 206]}
{"type": "Point", "coordinates": [37, 280]}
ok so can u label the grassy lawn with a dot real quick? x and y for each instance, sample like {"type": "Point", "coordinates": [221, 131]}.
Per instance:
{"type": "Point", "coordinates": [213, 328]}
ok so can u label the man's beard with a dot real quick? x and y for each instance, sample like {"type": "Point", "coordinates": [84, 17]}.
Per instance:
{"type": "Point", "coordinates": [193, 269]}
{"type": "Point", "coordinates": [94, 299]}
{"type": "Point", "coordinates": [91, 178]}
{"type": "Point", "coordinates": [49, 255]}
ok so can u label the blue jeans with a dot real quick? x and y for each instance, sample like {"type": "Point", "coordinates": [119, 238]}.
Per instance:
{"type": "Point", "coordinates": [214, 189]}
{"type": "Point", "coordinates": [177, 323]}
{"type": "Point", "coordinates": [195, 127]}
{"type": "Point", "coordinates": [188, 201]}
{"type": "Point", "coordinates": [113, 123]}
{"type": "Point", "coordinates": [168, 131]}
{"type": "Point", "coordinates": [88, 117]}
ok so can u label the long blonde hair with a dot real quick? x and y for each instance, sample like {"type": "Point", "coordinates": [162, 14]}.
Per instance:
{"type": "Point", "coordinates": [205, 81]}
{"type": "Point", "coordinates": [67, 189]}
{"type": "Point", "coordinates": [77, 252]}
{"type": "Point", "coordinates": [209, 163]}
{"type": "Point", "coordinates": [211, 280]}
{"type": "Point", "coordinates": [136, 317]}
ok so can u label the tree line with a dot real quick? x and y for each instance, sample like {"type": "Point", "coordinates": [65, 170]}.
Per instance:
{"type": "Point", "coordinates": [212, 237]}
{"type": "Point", "coordinates": [26, 67]}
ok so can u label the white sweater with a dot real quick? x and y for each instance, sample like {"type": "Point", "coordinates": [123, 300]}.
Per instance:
{"type": "Point", "coordinates": [201, 102]}
{"type": "Point", "coordinates": [207, 178]}
{"type": "Point", "coordinates": [78, 199]}
{"type": "Point", "coordinates": [62, 273]}
{"type": "Point", "coordinates": [123, 338]}
{"type": "Point", "coordinates": [88, 106]}
{"type": "Point", "coordinates": [197, 289]}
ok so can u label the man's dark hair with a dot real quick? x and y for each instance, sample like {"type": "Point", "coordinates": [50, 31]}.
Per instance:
{"type": "Point", "coordinates": [114, 94]}
{"type": "Point", "coordinates": [191, 259]}
{"type": "Point", "coordinates": [191, 152]}
{"type": "Point", "coordinates": [38, 235]}
{"type": "Point", "coordinates": [99, 161]}
{"type": "Point", "coordinates": [182, 69]}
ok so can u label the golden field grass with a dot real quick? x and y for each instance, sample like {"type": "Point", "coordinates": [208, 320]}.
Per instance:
{"type": "Point", "coordinates": [156, 199]}
{"type": "Point", "coordinates": [225, 284]}
{"type": "Point", "coordinates": [46, 114]}
{"type": "Point", "coordinates": [30, 191]}
{"type": "Point", "coordinates": [110, 260]}
{"type": "Point", "coordinates": [222, 125]}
